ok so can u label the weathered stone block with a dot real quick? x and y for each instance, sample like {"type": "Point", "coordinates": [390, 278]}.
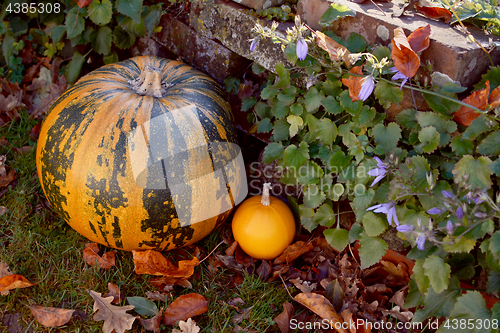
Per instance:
{"type": "Point", "coordinates": [201, 52]}
{"type": "Point", "coordinates": [449, 52]}
{"type": "Point", "coordinates": [259, 4]}
{"type": "Point", "coordinates": [231, 25]}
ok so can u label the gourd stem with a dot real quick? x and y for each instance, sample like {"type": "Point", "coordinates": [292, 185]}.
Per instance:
{"type": "Point", "coordinates": [265, 194]}
{"type": "Point", "coordinates": [149, 82]}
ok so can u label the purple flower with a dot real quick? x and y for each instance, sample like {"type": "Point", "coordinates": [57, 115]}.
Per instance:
{"type": "Point", "coordinates": [301, 48]}
{"type": "Point", "coordinates": [449, 226]}
{"type": "Point", "coordinates": [380, 171]}
{"type": "Point", "coordinates": [398, 76]}
{"type": "Point", "coordinates": [366, 87]}
{"type": "Point", "coordinates": [460, 212]}
{"type": "Point", "coordinates": [255, 41]}
{"type": "Point", "coordinates": [387, 208]}
{"type": "Point", "coordinates": [420, 242]}
{"type": "Point", "coordinates": [405, 228]}
{"type": "Point", "coordinates": [447, 194]}
{"type": "Point", "coordinates": [434, 211]}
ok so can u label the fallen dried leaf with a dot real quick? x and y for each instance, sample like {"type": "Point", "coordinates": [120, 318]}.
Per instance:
{"type": "Point", "coordinates": [4, 269]}
{"type": "Point", "coordinates": [188, 326]}
{"type": "Point", "coordinates": [478, 99]}
{"type": "Point", "coordinates": [154, 263]}
{"type": "Point", "coordinates": [283, 319]}
{"type": "Point", "coordinates": [157, 296]}
{"type": "Point", "coordinates": [115, 317]}
{"type": "Point", "coordinates": [114, 291]}
{"type": "Point", "coordinates": [322, 307]}
{"type": "Point", "coordinates": [292, 252]}
{"type": "Point", "coordinates": [243, 314]}
{"type": "Point", "coordinates": [153, 324]}
{"type": "Point", "coordinates": [354, 82]}
{"type": "Point", "coordinates": [184, 307]}
{"type": "Point", "coordinates": [419, 39]}
{"type": "Point", "coordinates": [51, 317]}
{"type": "Point", "coordinates": [14, 281]}
{"type": "Point", "coordinates": [494, 99]}
{"type": "Point", "coordinates": [304, 286]}
{"type": "Point", "coordinates": [333, 48]}
{"type": "Point", "coordinates": [430, 10]}
{"type": "Point", "coordinates": [56, 90]}
{"type": "Point", "coordinates": [7, 179]}
{"type": "Point", "coordinates": [91, 256]}
{"type": "Point", "coordinates": [405, 59]}
{"type": "Point", "coordinates": [230, 250]}
{"type": "Point", "coordinates": [3, 210]}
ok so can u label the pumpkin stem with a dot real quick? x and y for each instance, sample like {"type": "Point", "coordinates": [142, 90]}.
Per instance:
{"type": "Point", "coordinates": [265, 194]}
{"type": "Point", "coordinates": [149, 82]}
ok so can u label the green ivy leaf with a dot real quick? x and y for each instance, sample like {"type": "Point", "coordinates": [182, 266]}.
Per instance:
{"type": "Point", "coordinates": [493, 282]}
{"type": "Point", "coordinates": [110, 58]}
{"type": "Point", "coordinates": [281, 130]}
{"type": "Point", "coordinates": [296, 109]}
{"type": "Point", "coordinates": [280, 109]}
{"type": "Point", "coordinates": [438, 273]}
{"type": "Point", "coordinates": [273, 151]}
{"type": "Point", "coordinates": [493, 75]}
{"type": "Point", "coordinates": [335, 192]}
{"type": "Point", "coordinates": [462, 245]}
{"type": "Point", "coordinates": [387, 137]}
{"type": "Point", "coordinates": [495, 167]}
{"type": "Point", "coordinates": [75, 23]}
{"type": "Point", "coordinates": [355, 232]}
{"type": "Point", "coordinates": [442, 105]}
{"type": "Point", "coordinates": [291, 53]}
{"type": "Point", "coordinates": [324, 216]}
{"type": "Point", "coordinates": [309, 173]}
{"type": "Point", "coordinates": [143, 306]}
{"type": "Point", "coordinates": [152, 17]}
{"type": "Point", "coordinates": [462, 146]}
{"type": "Point", "coordinates": [387, 92]}
{"type": "Point", "coordinates": [338, 161]}
{"type": "Point", "coordinates": [490, 145]}
{"type": "Point", "coordinates": [326, 131]}
{"type": "Point", "coordinates": [367, 113]}
{"type": "Point", "coordinates": [74, 67]}
{"type": "Point", "coordinates": [331, 105]}
{"type": "Point", "coordinates": [479, 126]}
{"type": "Point", "coordinates": [373, 224]}
{"type": "Point", "coordinates": [408, 119]}
{"type": "Point", "coordinates": [474, 172]}
{"type": "Point", "coordinates": [248, 103]}
{"type": "Point", "coordinates": [439, 305]}
{"type": "Point", "coordinates": [130, 8]}
{"type": "Point", "coordinates": [269, 92]}
{"type": "Point", "coordinates": [313, 196]}
{"type": "Point", "coordinates": [313, 99]}
{"type": "Point", "coordinates": [470, 307]}
{"type": "Point", "coordinates": [371, 250]}
{"type": "Point", "coordinates": [295, 123]}
{"type": "Point", "coordinates": [337, 238]}
{"type": "Point", "coordinates": [132, 27]}
{"type": "Point", "coordinates": [429, 138]}
{"type": "Point", "coordinates": [440, 123]}
{"type": "Point", "coordinates": [122, 39]}
{"type": "Point", "coordinates": [102, 43]}
{"type": "Point", "coordinates": [494, 245]}
{"type": "Point", "coordinates": [364, 200]}
{"type": "Point", "coordinates": [334, 12]}
{"type": "Point", "coordinates": [332, 88]}
{"type": "Point", "coordinates": [288, 99]}
{"type": "Point", "coordinates": [100, 11]}
{"type": "Point", "coordinates": [295, 156]}
{"type": "Point", "coordinates": [422, 280]}
{"type": "Point", "coordinates": [284, 76]}
{"type": "Point", "coordinates": [356, 43]}
{"type": "Point", "coordinates": [351, 107]}
{"type": "Point", "coordinates": [307, 218]}
{"type": "Point", "coordinates": [265, 126]}
{"type": "Point", "coordinates": [57, 33]}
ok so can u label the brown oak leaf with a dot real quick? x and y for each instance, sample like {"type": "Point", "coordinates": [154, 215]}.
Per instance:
{"type": "Point", "coordinates": [115, 317]}
{"type": "Point", "coordinates": [188, 326]}
{"type": "Point", "coordinates": [322, 307]}
{"type": "Point", "coordinates": [114, 291]}
{"type": "Point", "coordinates": [153, 324]}
{"type": "Point", "coordinates": [154, 263]}
{"type": "Point", "coordinates": [51, 317]}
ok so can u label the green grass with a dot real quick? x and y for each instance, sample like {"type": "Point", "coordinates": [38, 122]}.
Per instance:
{"type": "Point", "coordinates": [39, 245]}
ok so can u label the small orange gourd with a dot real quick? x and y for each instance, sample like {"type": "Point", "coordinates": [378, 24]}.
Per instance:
{"type": "Point", "coordinates": [263, 226]}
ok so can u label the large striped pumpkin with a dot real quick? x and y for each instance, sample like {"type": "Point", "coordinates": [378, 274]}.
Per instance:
{"type": "Point", "coordinates": [129, 148]}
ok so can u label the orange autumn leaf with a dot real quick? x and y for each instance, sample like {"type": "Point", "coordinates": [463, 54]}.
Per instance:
{"type": "Point", "coordinates": [154, 263]}
{"type": "Point", "coordinates": [478, 99]}
{"type": "Point", "coordinates": [321, 306]}
{"type": "Point", "coordinates": [403, 56]}
{"type": "Point", "coordinates": [92, 257]}
{"type": "Point", "coordinates": [354, 83]}
{"type": "Point", "coordinates": [51, 317]}
{"type": "Point", "coordinates": [293, 251]}
{"type": "Point", "coordinates": [14, 281]}
{"type": "Point", "coordinates": [432, 11]}
{"type": "Point", "coordinates": [185, 307]}
{"type": "Point", "coordinates": [419, 39]}
{"type": "Point", "coordinates": [494, 99]}
{"type": "Point", "coordinates": [333, 48]}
